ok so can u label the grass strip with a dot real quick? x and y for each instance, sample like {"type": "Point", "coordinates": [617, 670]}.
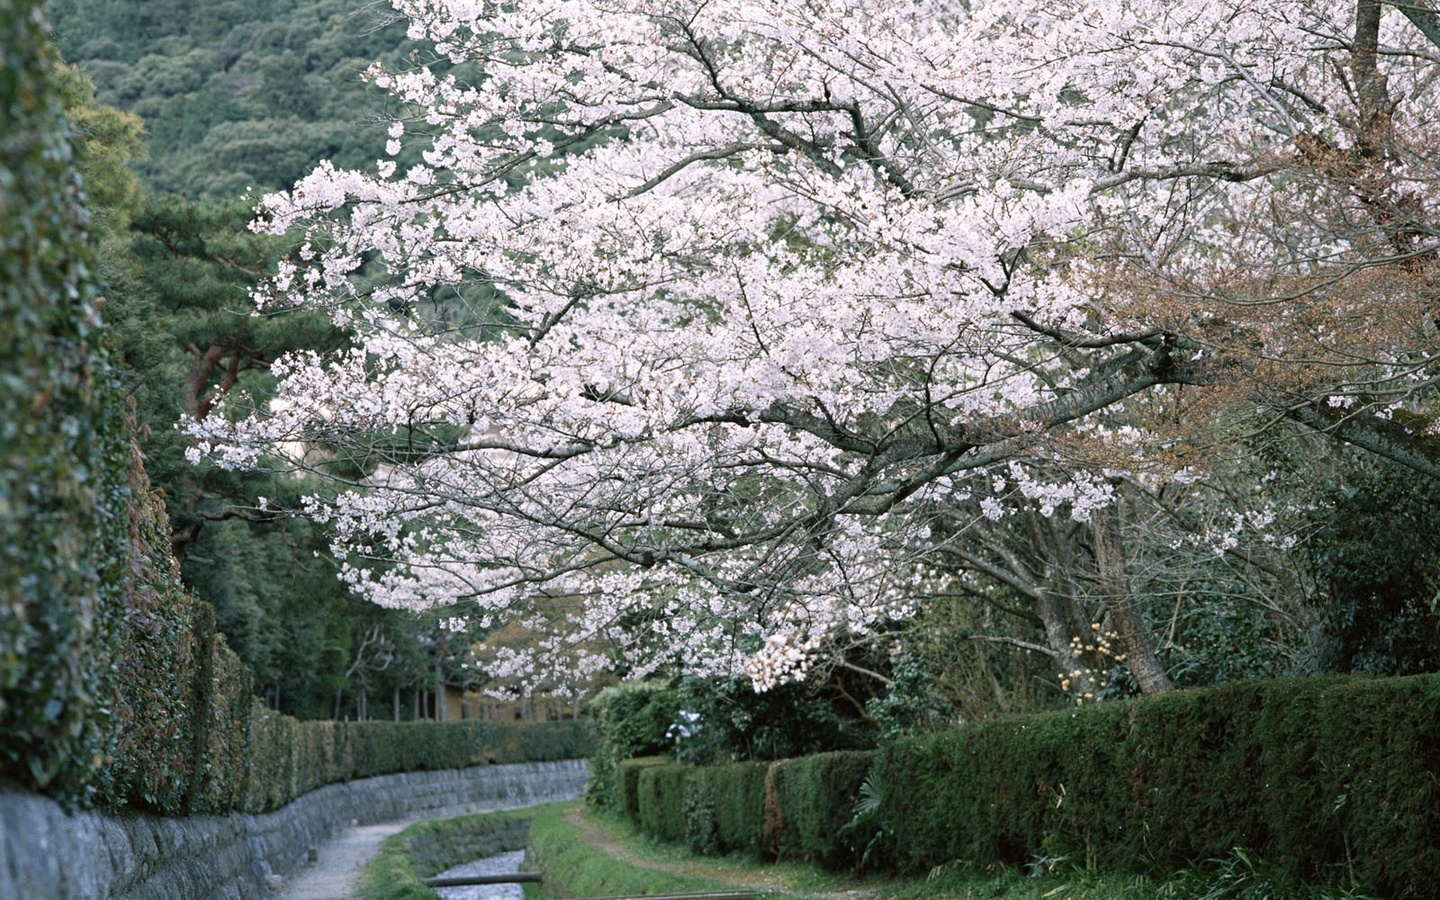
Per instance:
{"type": "Point", "coordinates": [574, 867]}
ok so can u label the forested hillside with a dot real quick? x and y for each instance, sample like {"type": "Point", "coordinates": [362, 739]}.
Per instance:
{"type": "Point", "coordinates": [237, 94]}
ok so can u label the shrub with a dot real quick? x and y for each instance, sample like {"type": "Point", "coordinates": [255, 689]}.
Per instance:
{"type": "Point", "coordinates": [661, 801]}
{"type": "Point", "coordinates": [64, 452]}
{"type": "Point", "coordinates": [734, 722]}
{"type": "Point", "coordinates": [1324, 778]}
{"type": "Point", "coordinates": [724, 808]}
{"type": "Point", "coordinates": [628, 784]}
{"type": "Point", "coordinates": [814, 800]}
{"type": "Point", "coordinates": [630, 720]}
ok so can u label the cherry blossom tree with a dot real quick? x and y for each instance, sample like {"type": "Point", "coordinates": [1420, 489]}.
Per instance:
{"type": "Point", "coordinates": [704, 314]}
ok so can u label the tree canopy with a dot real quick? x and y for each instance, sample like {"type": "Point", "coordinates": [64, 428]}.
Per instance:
{"type": "Point", "coordinates": [236, 95]}
{"type": "Point", "coordinates": [740, 324]}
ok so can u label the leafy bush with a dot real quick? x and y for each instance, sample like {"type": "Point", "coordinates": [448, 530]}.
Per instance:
{"type": "Point", "coordinates": [731, 721]}
{"type": "Point", "coordinates": [1379, 613]}
{"type": "Point", "coordinates": [630, 720]}
{"type": "Point", "coordinates": [63, 443]}
{"type": "Point", "coordinates": [912, 704]}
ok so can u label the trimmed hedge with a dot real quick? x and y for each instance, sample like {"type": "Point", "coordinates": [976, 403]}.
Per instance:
{"type": "Point", "coordinates": [628, 782]}
{"type": "Point", "coordinates": [712, 809]}
{"type": "Point", "coordinates": [724, 808]}
{"type": "Point", "coordinates": [660, 801]}
{"type": "Point", "coordinates": [290, 757]}
{"type": "Point", "coordinates": [63, 453]}
{"type": "Point", "coordinates": [810, 801]}
{"type": "Point", "coordinates": [1326, 779]}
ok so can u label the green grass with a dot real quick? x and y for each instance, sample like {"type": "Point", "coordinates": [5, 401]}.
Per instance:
{"type": "Point", "coordinates": [580, 869]}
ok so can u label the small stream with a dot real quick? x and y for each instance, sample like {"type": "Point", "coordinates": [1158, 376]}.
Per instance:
{"type": "Point", "coordinates": [490, 865]}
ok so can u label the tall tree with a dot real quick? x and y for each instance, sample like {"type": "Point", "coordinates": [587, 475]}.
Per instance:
{"type": "Point", "coordinates": [811, 274]}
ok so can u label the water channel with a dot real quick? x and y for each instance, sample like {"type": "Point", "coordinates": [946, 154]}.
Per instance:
{"type": "Point", "coordinates": [490, 865]}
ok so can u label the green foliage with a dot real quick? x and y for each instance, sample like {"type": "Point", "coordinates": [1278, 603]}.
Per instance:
{"type": "Point", "coordinates": [734, 722]}
{"type": "Point", "coordinates": [1377, 551]}
{"type": "Point", "coordinates": [660, 797]}
{"type": "Point", "coordinates": [164, 643]}
{"type": "Point", "coordinates": [713, 810]}
{"type": "Point", "coordinates": [1244, 876]}
{"type": "Point", "coordinates": [63, 447]}
{"type": "Point", "coordinates": [179, 299]}
{"type": "Point", "coordinates": [107, 142]}
{"type": "Point", "coordinates": [627, 783]}
{"type": "Point", "coordinates": [1222, 639]}
{"type": "Point", "coordinates": [725, 809]}
{"type": "Point", "coordinates": [912, 705]}
{"type": "Point", "coordinates": [1327, 780]}
{"type": "Point", "coordinates": [810, 805]}
{"type": "Point", "coordinates": [286, 757]}
{"type": "Point", "coordinates": [630, 720]}
{"type": "Point", "coordinates": [237, 94]}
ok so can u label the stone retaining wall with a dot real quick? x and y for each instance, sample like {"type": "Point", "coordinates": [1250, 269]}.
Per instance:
{"type": "Point", "coordinates": [48, 854]}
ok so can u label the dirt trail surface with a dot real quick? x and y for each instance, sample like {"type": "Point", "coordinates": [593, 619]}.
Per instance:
{"type": "Point", "coordinates": [759, 879]}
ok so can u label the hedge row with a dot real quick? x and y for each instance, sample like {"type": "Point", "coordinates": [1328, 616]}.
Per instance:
{"type": "Point", "coordinates": [62, 439]}
{"type": "Point", "coordinates": [791, 809]}
{"type": "Point", "coordinates": [810, 806]}
{"type": "Point", "coordinates": [1327, 779]}
{"type": "Point", "coordinates": [292, 757]}
{"type": "Point", "coordinates": [192, 738]}
{"type": "Point", "coordinates": [188, 735]}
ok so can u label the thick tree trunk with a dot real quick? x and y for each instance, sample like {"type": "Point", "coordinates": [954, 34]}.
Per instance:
{"type": "Point", "coordinates": [1114, 584]}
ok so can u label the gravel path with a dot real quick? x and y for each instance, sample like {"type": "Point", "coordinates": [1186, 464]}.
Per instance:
{"type": "Point", "coordinates": [334, 873]}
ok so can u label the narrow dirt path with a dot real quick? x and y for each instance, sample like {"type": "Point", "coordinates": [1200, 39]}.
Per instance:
{"type": "Point", "coordinates": [759, 879]}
